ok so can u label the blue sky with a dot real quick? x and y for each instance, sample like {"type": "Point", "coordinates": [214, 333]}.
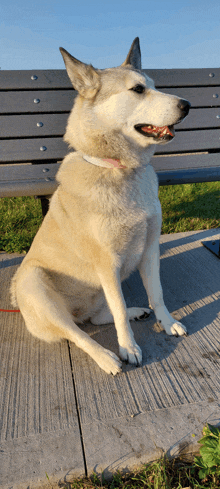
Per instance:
{"type": "Point", "coordinates": [173, 33]}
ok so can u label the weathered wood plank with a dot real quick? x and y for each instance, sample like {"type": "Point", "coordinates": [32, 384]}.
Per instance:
{"type": "Point", "coordinates": [22, 102]}
{"type": "Point", "coordinates": [201, 118]}
{"type": "Point", "coordinates": [25, 101]}
{"type": "Point", "coordinates": [203, 140]}
{"type": "Point", "coordinates": [198, 97]}
{"type": "Point", "coordinates": [15, 126]}
{"type": "Point", "coordinates": [29, 149]}
{"type": "Point", "coordinates": [177, 177]}
{"type": "Point", "coordinates": [22, 79]}
{"type": "Point", "coordinates": [27, 179]}
{"type": "Point", "coordinates": [185, 77]}
{"type": "Point", "coordinates": [52, 79]}
{"type": "Point", "coordinates": [177, 162]}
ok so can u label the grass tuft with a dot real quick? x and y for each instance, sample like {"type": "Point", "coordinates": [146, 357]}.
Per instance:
{"type": "Point", "coordinates": [162, 474]}
{"type": "Point", "coordinates": [190, 207]}
{"type": "Point", "coordinates": [20, 219]}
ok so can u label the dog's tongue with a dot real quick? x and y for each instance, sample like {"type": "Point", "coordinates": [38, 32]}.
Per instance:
{"type": "Point", "coordinates": [157, 131]}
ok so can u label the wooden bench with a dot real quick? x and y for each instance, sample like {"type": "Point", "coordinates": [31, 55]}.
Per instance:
{"type": "Point", "coordinates": [34, 107]}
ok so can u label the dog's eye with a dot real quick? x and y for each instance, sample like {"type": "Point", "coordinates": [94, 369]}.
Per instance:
{"type": "Point", "coordinates": [138, 89]}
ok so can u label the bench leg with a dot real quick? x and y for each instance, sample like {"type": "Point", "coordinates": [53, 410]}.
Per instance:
{"type": "Point", "coordinates": [213, 246]}
{"type": "Point", "coordinates": [44, 203]}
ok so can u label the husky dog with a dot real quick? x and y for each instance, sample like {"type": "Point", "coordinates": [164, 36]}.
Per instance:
{"type": "Point", "coordinates": [104, 219]}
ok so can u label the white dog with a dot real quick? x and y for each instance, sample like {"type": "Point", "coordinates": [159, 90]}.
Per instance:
{"type": "Point", "coordinates": [104, 219]}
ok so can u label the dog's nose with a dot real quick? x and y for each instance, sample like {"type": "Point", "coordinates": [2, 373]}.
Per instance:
{"type": "Point", "coordinates": [184, 106]}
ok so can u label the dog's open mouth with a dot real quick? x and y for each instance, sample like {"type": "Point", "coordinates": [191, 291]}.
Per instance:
{"type": "Point", "coordinates": [165, 133]}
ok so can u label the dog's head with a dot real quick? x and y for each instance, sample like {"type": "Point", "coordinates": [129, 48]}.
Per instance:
{"type": "Point", "coordinates": [118, 108]}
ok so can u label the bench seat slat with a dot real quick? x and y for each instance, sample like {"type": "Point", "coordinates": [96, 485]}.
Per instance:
{"type": "Point", "coordinates": [52, 79]}
{"type": "Point", "coordinates": [27, 179]}
{"type": "Point", "coordinates": [179, 177]}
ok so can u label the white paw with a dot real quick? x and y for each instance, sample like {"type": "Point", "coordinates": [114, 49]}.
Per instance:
{"type": "Point", "coordinates": [176, 329]}
{"type": "Point", "coordinates": [131, 354]}
{"type": "Point", "coordinates": [138, 313]}
{"type": "Point", "coordinates": [170, 325]}
{"type": "Point", "coordinates": [109, 362]}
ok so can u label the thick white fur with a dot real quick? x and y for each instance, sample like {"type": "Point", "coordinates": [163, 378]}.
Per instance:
{"type": "Point", "coordinates": [102, 223]}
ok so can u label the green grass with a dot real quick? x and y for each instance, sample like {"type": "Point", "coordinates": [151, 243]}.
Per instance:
{"type": "Point", "coordinates": [20, 219]}
{"type": "Point", "coordinates": [185, 208]}
{"type": "Point", "coordinates": [162, 474]}
{"type": "Point", "coordinates": [190, 207]}
{"type": "Point", "coordinates": [199, 473]}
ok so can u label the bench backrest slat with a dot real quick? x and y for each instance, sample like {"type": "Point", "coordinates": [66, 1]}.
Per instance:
{"type": "Point", "coordinates": [30, 149]}
{"type": "Point", "coordinates": [52, 79]}
{"type": "Point", "coordinates": [15, 126]}
{"type": "Point", "coordinates": [22, 101]}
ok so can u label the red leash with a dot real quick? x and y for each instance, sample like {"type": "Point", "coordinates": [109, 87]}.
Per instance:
{"type": "Point", "coordinates": [10, 310]}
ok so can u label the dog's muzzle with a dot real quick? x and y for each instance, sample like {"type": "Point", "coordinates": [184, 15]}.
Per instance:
{"type": "Point", "coordinates": [165, 133]}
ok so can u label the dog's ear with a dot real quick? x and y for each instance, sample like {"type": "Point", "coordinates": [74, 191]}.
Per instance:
{"type": "Point", "coordinates": [85, 79]}
{"type": "Point", "coordinates": [134, 55]}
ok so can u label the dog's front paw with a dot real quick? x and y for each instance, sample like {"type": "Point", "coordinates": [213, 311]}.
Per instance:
{"type": "Point", "coordinates": [109, 362]}
{"type": "Point", "coordinates": [131, 354]}
{"type": "Point", "coordinates": [170, 325]}
{"type": "Point", "coordinates": [176, 329]}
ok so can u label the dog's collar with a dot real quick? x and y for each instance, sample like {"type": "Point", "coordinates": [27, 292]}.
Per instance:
{"type": "Point", "coordinates": [104, 162]}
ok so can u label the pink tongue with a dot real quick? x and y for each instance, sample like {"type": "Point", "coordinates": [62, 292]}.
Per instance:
{"type": "Point", "coordinates": [159, 131]}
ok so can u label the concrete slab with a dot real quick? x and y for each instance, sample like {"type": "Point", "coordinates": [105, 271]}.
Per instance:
{"type": "Point", "coordinates": [143, 412]}
{"type": "Point", "coordinates": [39, 423]}
{"type": "Point", "coordinates": [50, 394]}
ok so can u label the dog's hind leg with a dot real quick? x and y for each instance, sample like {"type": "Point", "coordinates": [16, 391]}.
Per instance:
{"type": "Point", "coordinates": [105, 316]}
{"type": "Point", "coordinates": [47, 317]}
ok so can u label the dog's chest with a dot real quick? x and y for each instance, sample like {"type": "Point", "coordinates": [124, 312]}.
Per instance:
{"type": "Point", "coordinates": [123, 226]}
{"type": "Point", "coordinates": [138, 201]}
